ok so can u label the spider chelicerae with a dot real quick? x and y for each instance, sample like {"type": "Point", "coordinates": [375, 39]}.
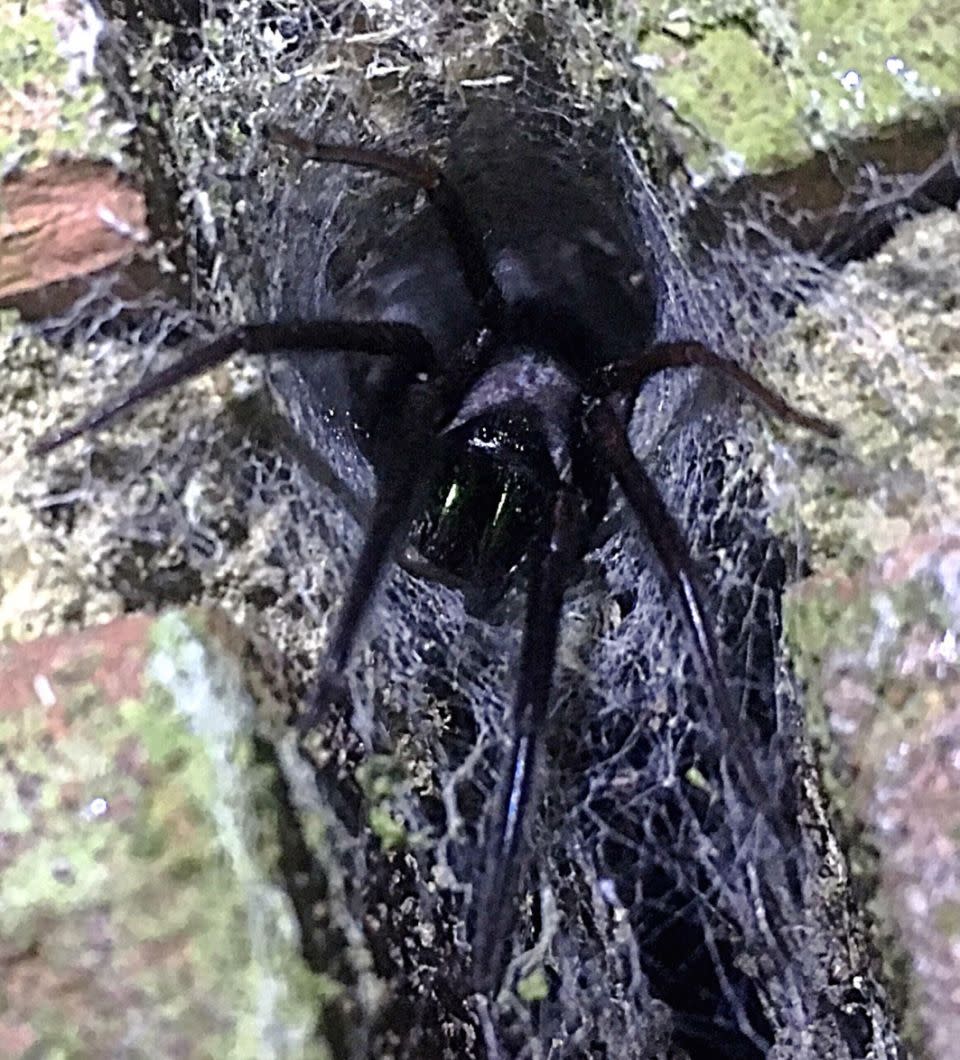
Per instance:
{"type": "Point", "coordinates": [557, 334]}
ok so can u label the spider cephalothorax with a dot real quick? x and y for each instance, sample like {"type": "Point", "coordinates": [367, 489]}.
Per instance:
{"type": "Point", "coordinates": [524, 347]}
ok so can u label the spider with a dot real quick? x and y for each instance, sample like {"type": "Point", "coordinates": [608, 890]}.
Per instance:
{"type": "Point", "coordinates": [556, 332]}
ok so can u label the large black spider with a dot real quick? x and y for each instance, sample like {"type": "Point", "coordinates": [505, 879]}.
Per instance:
{"type": "Point", "coordinates": [557, 334]}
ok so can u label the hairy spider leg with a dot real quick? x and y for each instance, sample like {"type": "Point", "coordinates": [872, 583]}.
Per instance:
{"type": "Point", "coordinates": [504, 861]}
{"type": "Point", "coordinates": [402, 483]}
{"type": "Point", "coordinates": [393, 510]}
{"type": "Point", "coordinates": [664, 534]}
{"type": "Point", "coordinates": [401, 490]}
{"type": "Point", "coordinates": [648, 506]}
{"type": "Point", "coordinates": [442, 195]}
{"type": "Point", "coordinates": [629, 374]}
{"type": "Point", "coordinates": [377, 337]}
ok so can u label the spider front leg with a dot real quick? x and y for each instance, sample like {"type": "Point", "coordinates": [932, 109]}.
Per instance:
{"type": "Point", "coordinates": [402, 488]}
{"type": "Point", "coordinates": [416, 432]}
{"type": "Point", "coordinates": [629, 374]}
{"type": "Point", "coordinates": [379, 338]}
{"type": "Point", "coordinates": [443, 195]}
{"type": "Point", "coordinates": [504, 857]}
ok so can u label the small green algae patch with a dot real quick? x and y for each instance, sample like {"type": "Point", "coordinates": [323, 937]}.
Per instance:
{"type": "Point", "coordinates": [695, 777]}
{"type": "Point", "coordinates": [387, 828]}
{"type": "Point", "coordinates": [138, 898]}
{"type": "Point", "coordinates": [382, 778]}
{"type": "Point", "coordinates": [533, 987]}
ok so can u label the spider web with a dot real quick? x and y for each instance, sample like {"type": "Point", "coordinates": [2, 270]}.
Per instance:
{"type": "Point", "coordinates": [660, 915]}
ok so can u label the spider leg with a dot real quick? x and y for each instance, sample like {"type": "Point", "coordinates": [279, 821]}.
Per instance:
{"type": "Point", "coordinates": [440, 191]}
{"type": "Point", "coordinates": [624, 375]}
{"type": "Point", "coordinates": [383, 338]}
{"type": "Point", "coordinates": [664, 535]}
{"type": "Point", "coordinates": [504, 860]}
{"type": "Point", "coordinates": [400, 495]}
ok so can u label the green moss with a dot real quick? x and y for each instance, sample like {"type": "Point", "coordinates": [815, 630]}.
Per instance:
{"type": "Point", "coordinates": [145, 830]}
{"type": "Point", "coordinates": [712, 85]}
{"type": "Point", "coordinates": [760, 86]}
{"type": "Point", "coordinates": [849, 621]}
{"type": "Point", "coordinates": [869, 64]}
{"type": "Point", "coordinates": [819, 618]}
{"type": "Point", "coordinates": [28, 50]}
{"type": "Point", "coordinates": [61, 116]}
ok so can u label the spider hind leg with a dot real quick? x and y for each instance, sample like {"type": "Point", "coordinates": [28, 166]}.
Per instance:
{"type": "Point", "coordinates": [666, 539]}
